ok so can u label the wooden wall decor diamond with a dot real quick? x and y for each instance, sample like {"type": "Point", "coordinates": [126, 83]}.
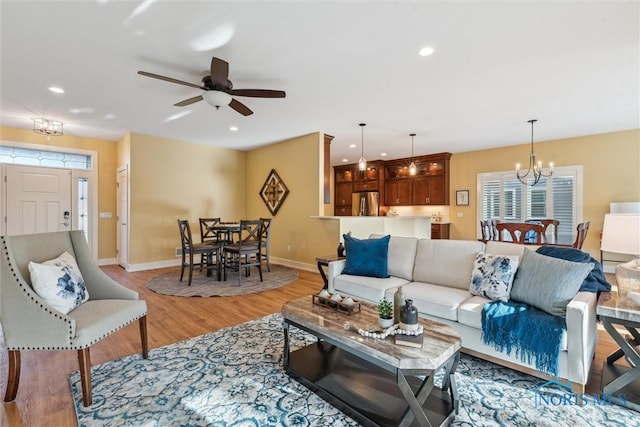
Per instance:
{"type": "Point", "coordinates": [274, 192]}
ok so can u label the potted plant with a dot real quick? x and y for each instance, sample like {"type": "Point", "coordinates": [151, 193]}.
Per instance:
{"type": "Point", "coordinates": [385, 313]}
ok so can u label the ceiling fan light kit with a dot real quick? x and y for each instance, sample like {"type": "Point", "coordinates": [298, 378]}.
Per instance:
{"type": "Point", "coordinates": [535, 167]}
{"type": "Point", "coordinates": [216, 98]}
{"type": "Point", "coordinates": [218, 89]}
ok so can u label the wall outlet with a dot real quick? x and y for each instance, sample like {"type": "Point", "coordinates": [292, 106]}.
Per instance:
{"type": "Point", "coordinates": [460, 214]}
{"type": "Point", "coordinates": [288, 248]}
{"type": "Point", "coordinates": [178, 251]}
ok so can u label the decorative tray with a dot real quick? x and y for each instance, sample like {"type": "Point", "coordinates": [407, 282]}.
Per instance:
{"type": "Point", "coordinates": [338, 306]}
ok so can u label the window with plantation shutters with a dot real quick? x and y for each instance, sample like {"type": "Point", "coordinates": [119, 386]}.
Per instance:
{"type": "Point", "coordinates": [501, 196]}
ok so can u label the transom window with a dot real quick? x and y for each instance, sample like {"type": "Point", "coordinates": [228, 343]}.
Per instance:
{"type": "Point", "coordinates": [502, 196]}
{"type": "Point", "coordinates": [32, 157]}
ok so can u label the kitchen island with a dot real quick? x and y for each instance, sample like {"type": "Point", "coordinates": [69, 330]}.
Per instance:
{"type": "Point", "coordinates": [362, 226]}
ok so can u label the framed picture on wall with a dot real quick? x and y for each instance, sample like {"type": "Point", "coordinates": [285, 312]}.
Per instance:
{"type": "Point", "coordinates": [462, 198]}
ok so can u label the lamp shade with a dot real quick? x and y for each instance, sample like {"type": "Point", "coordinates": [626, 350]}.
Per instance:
{"type": "Point", "coordinates": [621, 234]}
{"type": "Point", "coordinates": [216, 98]}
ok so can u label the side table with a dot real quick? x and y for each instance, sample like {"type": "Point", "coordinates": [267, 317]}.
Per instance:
{"type": "Point", "coordinates": [323, 261]}
{"type": "Point", "coordinates": [619, 381]}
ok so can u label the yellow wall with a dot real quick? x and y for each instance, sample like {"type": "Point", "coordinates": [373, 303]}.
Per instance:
{"type": "Point", "coordinates": [106, 176]}
{"type": "Point", "coordinates": [298, 162]}
{"type": "Point", "coordinates": [611, 168]}
{"type": "Point", "coordinates": [172, 179]}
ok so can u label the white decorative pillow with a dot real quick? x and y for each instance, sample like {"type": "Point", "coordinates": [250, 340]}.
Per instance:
{"type": "Point", "coordinates": [59, 282]}
{"type": "Point", "coordinates": [492, 275]}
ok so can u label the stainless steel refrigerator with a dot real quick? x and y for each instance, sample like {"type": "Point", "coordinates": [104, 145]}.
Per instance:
{"type": "Point", "coordinates": [365, 203]}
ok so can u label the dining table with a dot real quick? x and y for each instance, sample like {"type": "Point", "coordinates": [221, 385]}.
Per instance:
{"type": "Point", "coordinates": [227, 229]}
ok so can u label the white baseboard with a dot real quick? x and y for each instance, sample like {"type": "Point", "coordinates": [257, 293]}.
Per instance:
{"type": "Point", "coordinates": [107, 261]}
{"type": "Point", "coordinates": [295, 264]}
{"type": "Point", "coordinates": [153, 265]}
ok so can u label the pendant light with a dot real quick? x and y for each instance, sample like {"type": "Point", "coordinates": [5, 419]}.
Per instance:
{"type": "Point", "coordinates": [535, 168]}
{"type": "Point", "coordinates": [412, 166]}
{"type": "Point", "coordinates": [362, 163]}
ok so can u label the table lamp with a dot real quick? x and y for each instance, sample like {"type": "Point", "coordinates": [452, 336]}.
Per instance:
{"type": "Point", "coordinates": [621, 234]}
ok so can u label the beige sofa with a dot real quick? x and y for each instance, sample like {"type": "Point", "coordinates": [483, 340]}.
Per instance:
{"type": "Point", "coordinates": [436, 275]}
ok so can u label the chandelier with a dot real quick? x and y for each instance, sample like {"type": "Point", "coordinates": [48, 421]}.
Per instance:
{"type": "Point", "coordinates": [47, 127]}
{"type": "Point", "coordinates": [535, 168]}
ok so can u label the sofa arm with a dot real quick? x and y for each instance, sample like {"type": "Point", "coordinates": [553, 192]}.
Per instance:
{"type": "Point", "coordinates": [335, 268]}
{"type": "Point", "coordinates": [582, 335]}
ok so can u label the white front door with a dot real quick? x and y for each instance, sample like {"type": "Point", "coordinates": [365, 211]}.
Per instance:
{"type": "Point", "coordinates": [38, 200]}
{"type": "Point", "coordinates": [122, 207]}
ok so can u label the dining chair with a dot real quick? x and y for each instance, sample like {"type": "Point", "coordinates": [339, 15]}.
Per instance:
{"type": "Point", "coordinates": [246, 252]}
{"type": "Point", "coordinates": [30, 322]}
{"type": "Point", "coordinates": [581, 235]}
{"type": "Point", "coordinates": [265, 238]}
{"type": "Point", "coordinates": [488, 228]}
{"type": "Point", "coordinates": [207, 233]}
{"type": "Point", "coordinates": [208, 253]}
{"type": "Point", "coordinates": [518, 232]}
{"type": "Point", "coordinates": [546, 223]}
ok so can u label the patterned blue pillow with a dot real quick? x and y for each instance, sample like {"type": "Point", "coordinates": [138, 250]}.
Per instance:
{"type": "Point", "coordinates": [367, 257]}
{"type": "Point", "coordinates": [492, 276]}
{"type": "Point", "coordinates": [59, 282]}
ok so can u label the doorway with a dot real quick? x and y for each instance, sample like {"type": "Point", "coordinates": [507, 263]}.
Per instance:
{"type": "Point", "coordinates": [122, 217]}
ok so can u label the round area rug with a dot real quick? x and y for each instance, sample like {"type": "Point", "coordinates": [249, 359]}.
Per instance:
{"type": "Point", "coordinates": [203, 286]}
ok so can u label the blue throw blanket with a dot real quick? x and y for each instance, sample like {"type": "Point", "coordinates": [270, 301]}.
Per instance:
{"type": "Point", "coordinates": [533, 333]}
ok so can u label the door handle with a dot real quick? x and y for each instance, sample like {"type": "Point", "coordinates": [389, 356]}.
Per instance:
{"type": "Point", "coordinates": [66, 223]}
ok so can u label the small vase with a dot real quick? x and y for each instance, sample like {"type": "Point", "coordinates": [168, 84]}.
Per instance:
{"type": "Point", "coordinates": [385, 323]}
{"type": "Point", "coordinates": [398, 301]}
{"type": "Point", "coordinates": [409, 316]}
{"type": "Point", "coordinates": [340, 250]}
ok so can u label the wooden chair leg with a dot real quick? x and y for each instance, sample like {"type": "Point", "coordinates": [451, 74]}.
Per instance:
{"type": "Point", "coordinates": [14, 376]}
{"type": "Point", "coordinates": [84, 361]}
{"type": "Point", "coordinates": [143, 337]}
{"type": "Point", "coordinates": [182, 266]}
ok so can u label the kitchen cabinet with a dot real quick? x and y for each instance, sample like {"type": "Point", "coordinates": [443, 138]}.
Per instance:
{"type": "Point", "coordinates": [343, 187]}
{"type": "Point", "coordinates": [429, 186]}
{"type": "Point", "coordinates": [439, 230]}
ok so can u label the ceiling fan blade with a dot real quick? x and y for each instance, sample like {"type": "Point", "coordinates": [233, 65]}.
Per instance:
{"type": "Point", "coordinates": [188, 101]}
{"type": "Point", "coordinates": [168, 79]}
{"type": "Point", "coordinates": [219, 72]}
{"type": "Point", "coordinates": [259, 93]}
{"type": "Point", "coordinates": [240, 107]}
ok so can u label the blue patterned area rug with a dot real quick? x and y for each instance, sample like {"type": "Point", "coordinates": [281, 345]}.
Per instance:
{"type": "Point", "coordinates": [234, 377]}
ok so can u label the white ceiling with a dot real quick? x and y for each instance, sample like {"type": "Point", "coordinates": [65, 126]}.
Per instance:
{"type": "Point", "coordinates": [574, 66]}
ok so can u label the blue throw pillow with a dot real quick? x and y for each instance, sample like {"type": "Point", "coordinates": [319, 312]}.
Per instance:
{"type": "Point", "coordinates": [367, 257]}
{"type": "Point", "coordinates": [595, 280]}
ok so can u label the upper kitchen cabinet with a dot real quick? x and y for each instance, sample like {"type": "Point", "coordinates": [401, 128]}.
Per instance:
{"type": "Point", "coordinates": [369, 179]}
{"type": "Point", "coordinates": [430, 185]}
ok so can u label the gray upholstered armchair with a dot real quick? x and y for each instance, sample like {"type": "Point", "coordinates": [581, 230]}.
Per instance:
{"type": "Point", "coordinates": [30, 324]}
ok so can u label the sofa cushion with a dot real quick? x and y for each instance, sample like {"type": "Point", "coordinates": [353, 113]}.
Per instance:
{"type": "Point", "coordinates": [367, 288]}
{"type": "Point", "coordinates": [548, 283]}
{"type": "Point", "coordinates": [402, 255]}
{"type": "Point", "coordinates": [493, 275]}
{"type": "Point", "coordinates": [59, 282]}
{"type": "Point", "coordinates": [595, 280]}
{"type": "Point", "coordinates": [446, 262]}
{"type": "Point", "coordinates": [366, 257]}
{"type": "Point", "coordinates": [440, 301]}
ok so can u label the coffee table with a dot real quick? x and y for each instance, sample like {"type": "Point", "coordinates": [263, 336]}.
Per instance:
{"type": "Point", "coordinates": [374, 381]}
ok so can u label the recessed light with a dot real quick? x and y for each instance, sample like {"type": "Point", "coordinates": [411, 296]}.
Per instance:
{"type": "Point", "coordinates": [426, 51]}
{"type": "Point", "coordinates": [55, 89]}
{"type": "Point", "coordinates": [233, 128]}
{"type": "Point", "coordinates": [345, 160]}
{"type": "Point", "coordinates": [383, 154]}
{"type": "Point", "coordinates": [352, 146]}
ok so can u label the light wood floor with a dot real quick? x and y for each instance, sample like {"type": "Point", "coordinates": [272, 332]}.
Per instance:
{"type": "Point", "coordinates": [44, 397]}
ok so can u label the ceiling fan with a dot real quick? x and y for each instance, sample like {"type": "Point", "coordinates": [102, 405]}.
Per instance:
{"type": "Point", "coordinates": [219, 89]}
